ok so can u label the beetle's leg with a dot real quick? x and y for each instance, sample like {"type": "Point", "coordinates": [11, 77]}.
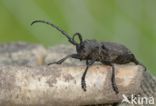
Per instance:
{"type": "Point", "coordinates": [137, 62]}
{"type": "Point", "coordinates": [114, 86]}
{"type": "Point", "coordinates": [83, 82]}
{"type": "Point", "coordinates": [126, 58]}
{"type": "Point", "coordinates": [62, 60]}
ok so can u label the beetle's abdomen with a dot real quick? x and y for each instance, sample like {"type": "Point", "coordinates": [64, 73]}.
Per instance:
{"type": "Point", "coordinates": [115, 53]}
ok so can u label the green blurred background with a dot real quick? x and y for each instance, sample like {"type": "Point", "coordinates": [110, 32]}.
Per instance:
{"type": "Point", "coordinates": [130, 22]}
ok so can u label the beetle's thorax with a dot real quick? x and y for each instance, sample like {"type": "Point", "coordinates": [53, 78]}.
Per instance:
{"type": "Point", "coordinates": [87, 49]}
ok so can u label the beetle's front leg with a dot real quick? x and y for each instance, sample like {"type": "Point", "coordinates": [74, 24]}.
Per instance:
{"type": "Point", "coordinates": [76, 56]}
{"type": "Point", "coordinates": [83, 82]}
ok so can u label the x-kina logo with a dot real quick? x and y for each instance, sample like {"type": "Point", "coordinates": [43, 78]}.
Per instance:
{"type": "Point", "coordinates": [137, 99]}
{"type": "Point", "coordinates": [125, 99]}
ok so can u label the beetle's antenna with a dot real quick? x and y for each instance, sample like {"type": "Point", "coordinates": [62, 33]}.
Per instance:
{"type": "Point", "coordinates": [59, 29]}
{"type": "Point", "coordinates": [79, 35]}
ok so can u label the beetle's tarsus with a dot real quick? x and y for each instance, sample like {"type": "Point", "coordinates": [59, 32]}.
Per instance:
{"type": "Point", "coordinates": [83, 85]}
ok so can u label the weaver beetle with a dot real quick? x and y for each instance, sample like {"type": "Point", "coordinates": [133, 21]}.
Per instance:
{"type": "Point", "coordinates": [90, 50]}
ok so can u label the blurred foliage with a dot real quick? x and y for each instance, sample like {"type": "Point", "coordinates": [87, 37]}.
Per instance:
{"type": "Point", "coordinates": [130, 22]}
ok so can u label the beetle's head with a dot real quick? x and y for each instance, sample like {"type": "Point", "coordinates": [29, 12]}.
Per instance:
{"type": "Point", "coordinates": [82, 50]}
{"type": "Point", "coordinates": [80, 45]}
{"type": "Point", "coordinates": [83, 47]}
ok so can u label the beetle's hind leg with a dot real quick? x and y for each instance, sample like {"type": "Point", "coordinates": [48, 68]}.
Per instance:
{"type": "Point", "coordinates": [76, 56]}
{"type": "Point", "coordinates": [126, 58]}
{"type": "Point", "coordinates": [142, 66]}
{"type": "Point", "coordinates": [137, 62]}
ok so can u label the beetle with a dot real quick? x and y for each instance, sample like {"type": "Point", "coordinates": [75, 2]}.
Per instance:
{"type": "Point", "coordinates": [108, 53]}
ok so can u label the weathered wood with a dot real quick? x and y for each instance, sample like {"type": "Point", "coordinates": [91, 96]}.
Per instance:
{"type": "Point", "coordinates": [28, 81]}
{"type": "Point", "coordinates": [61, 85]}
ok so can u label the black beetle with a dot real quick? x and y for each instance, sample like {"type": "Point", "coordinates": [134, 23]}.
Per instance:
{"type": "Point", "coordinates": [90, 50]}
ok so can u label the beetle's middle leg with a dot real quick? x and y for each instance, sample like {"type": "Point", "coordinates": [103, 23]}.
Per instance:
{"type": "Point", "coordinates": [114, 86]}
{"type": "Point", "coordinates": [83, 82]}
{"type": "Point", "coordinates": [76, 56]}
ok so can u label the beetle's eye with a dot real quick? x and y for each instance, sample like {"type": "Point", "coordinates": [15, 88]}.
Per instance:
{"type": "Point", "coordinates": [82, 47]}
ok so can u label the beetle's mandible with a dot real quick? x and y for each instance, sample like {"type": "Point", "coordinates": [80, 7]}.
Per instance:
{"type": "Point", "coordinates": [90, 50]}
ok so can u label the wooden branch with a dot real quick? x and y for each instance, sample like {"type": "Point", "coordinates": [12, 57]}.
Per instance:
{"type": "Point", "coordinates": [61, 85]}
{"type": "Point", "coordinates": [56, 85]}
